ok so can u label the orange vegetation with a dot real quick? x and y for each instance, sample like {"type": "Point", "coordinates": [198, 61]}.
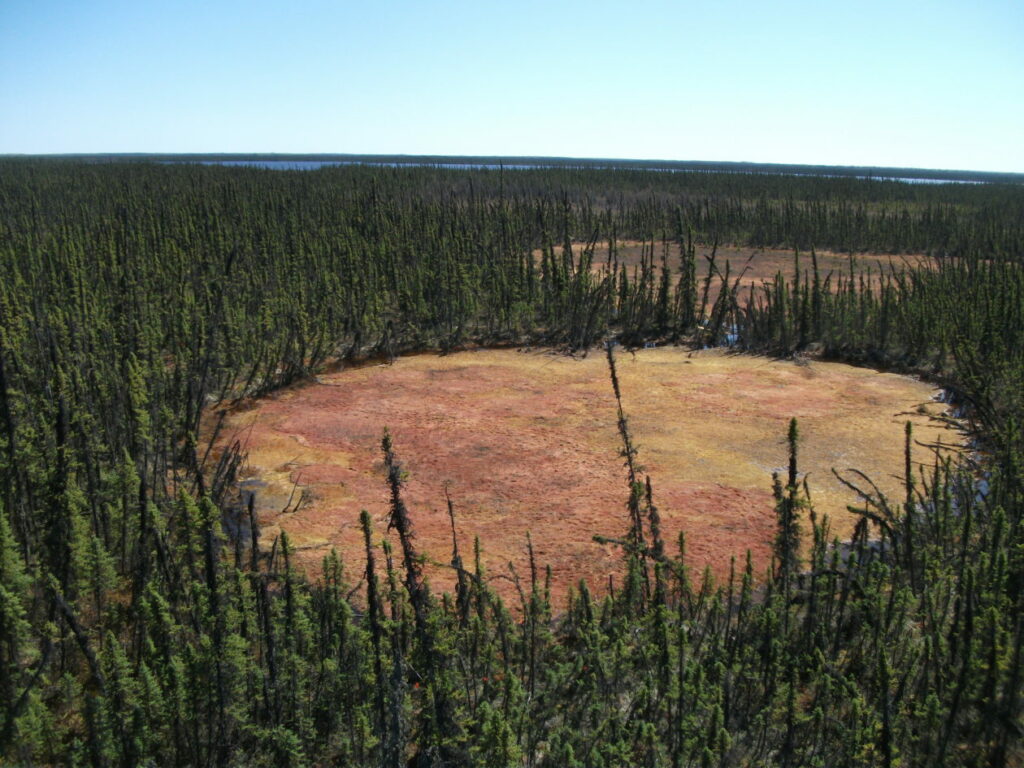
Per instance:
{"type": "Point", "coordinates": [754, 266]}
{"type": "Point", "coordinates": [526, 442]}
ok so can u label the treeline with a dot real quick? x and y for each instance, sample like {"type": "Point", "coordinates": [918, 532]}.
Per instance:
{"type": "Point", "coordinates": [469, 162]}
{"type": "Point", "coordinates": [757, 209]}
{"type": "Point", "coordinates": [143, 619]}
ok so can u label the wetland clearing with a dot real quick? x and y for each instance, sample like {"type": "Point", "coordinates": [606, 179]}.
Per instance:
{"type": "Point", "coordinates": [526, 442]}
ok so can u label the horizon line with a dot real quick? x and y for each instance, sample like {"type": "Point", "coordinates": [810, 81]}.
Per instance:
{"type": "Point", "coordinates": [443, 159]}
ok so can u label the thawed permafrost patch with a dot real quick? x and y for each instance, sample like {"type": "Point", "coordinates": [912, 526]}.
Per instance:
{"type": "Point", "coordinates": [527, 442]}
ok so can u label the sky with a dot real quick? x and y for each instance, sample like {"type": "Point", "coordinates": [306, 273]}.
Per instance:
{"type": "Point", "coordinates": [937, 84]}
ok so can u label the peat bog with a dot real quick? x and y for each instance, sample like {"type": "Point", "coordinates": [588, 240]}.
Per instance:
{"type": "Point", "coordinates": [525, 442]}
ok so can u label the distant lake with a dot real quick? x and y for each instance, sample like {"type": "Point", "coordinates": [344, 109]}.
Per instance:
{"type": "Point", "coordinates": [314, 165]}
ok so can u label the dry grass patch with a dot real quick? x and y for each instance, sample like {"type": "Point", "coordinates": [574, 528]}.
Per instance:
{"type": "Point", "coordinates": [757, 265]}
{"type": "Point", "coordinates": [527, 442]}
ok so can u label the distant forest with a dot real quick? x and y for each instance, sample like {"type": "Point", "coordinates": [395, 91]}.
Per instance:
{"type": "Point", "coordinates": [144, 619]}
{"type": "Point", "coordinates": [879, 173]}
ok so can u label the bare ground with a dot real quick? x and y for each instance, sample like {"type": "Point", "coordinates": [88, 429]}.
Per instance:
{"type": "Point", "coordinates": [527, 442]}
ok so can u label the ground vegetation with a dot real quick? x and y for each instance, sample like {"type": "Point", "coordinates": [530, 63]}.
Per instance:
{"type": "Point", "coordinates": [145, 620]}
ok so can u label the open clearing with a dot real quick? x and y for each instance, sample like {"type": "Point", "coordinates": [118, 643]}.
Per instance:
{"type": "Point", "coordinates": [527, 442]}
{"type": "Point", "coordinates": [753, 266]}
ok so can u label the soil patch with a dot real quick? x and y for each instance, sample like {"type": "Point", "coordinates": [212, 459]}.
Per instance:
{"type": "Point", "coordinates": [527, 442]}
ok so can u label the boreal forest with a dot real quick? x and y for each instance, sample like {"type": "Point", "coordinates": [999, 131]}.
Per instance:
{"type": "Point", "coordinates": [145, 621]}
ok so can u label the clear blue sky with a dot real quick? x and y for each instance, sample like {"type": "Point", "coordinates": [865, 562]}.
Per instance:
{"type": "Point", "coordinates": [924, 84]}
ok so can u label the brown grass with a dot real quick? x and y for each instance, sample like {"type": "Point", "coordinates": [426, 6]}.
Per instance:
{"type": "Point", "coordinates": [526, 442]}
{"type": "Point", "coordinates": [757, 265]}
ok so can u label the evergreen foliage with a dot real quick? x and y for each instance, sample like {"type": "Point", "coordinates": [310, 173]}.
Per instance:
{"type": "Point", "coordinates": [144, 620]}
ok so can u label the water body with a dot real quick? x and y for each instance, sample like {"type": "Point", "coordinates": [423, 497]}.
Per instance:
{"type": "Point", "coordinates": [315, 165]}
